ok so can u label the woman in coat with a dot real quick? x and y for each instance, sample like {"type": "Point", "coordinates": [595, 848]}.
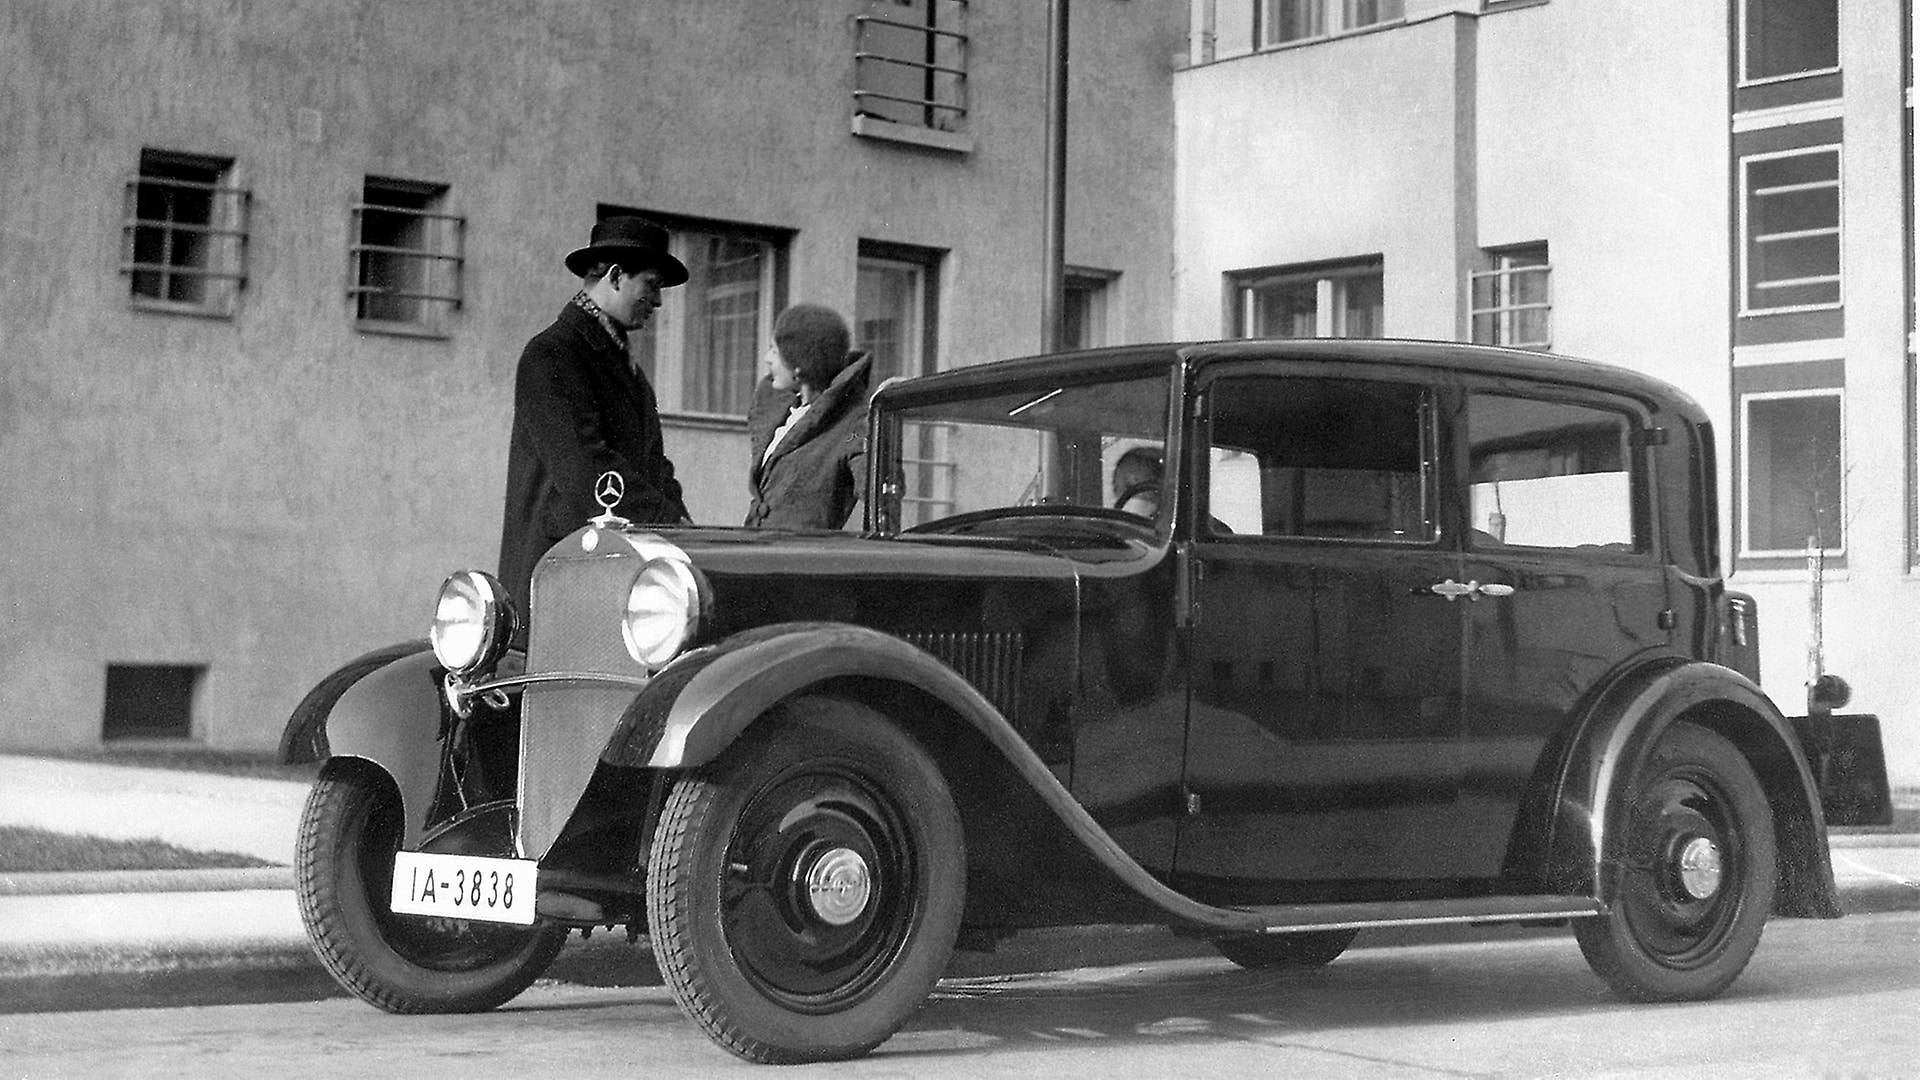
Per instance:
{"type": "Point", "coordinates": [808, 424]}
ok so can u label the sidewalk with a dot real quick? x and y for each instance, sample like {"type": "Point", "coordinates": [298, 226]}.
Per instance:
{"type": "Point", "coordinates": [117, 939]}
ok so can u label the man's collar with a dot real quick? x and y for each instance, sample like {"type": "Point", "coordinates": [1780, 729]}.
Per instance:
{"type": "Point", "coordinates": [585, 303]}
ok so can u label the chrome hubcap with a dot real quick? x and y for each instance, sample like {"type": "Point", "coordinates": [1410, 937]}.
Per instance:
{"type": "Point", "coordinates": [839, 886]}
{"type": "Point", "coordinates": [1700, 868]}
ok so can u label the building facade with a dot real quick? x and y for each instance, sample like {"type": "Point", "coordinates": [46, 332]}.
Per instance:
{"type": "Point", "coordinates": [1720, 194]}
{"type": "Point", "coordinates": [267, 284]}
{"type": "Point", "coordinates": [268, 269]}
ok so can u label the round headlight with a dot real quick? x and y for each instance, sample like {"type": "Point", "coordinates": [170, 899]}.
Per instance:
{"type": "Point", "coordinates": [472, 623]}
{"type": "Point", "coordinates": [663, 611]}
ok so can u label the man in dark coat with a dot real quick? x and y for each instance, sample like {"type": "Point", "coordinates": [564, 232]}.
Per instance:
{"type": "Point", "coordinates": [580, 408]}
{"type": "Point", "coordinates": [808, 424]}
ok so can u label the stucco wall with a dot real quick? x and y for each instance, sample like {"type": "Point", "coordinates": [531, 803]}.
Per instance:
{"type": "Point", "coordinates": [270, 494]}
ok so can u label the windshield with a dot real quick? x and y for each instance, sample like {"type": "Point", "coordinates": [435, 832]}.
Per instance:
{"type": "Point", "coordinates": [1086, 447]}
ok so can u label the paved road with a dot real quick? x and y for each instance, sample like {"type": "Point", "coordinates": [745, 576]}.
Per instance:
{"type": "Point", "coordinates": [1821, 998]}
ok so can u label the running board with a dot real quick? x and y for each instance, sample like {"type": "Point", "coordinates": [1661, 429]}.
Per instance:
{"type": "Point", "coordinates": [1297, 918]}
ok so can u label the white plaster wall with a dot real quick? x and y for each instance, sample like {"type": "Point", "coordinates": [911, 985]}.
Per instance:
{"type": "Point", "coordinates": [1873, 604]}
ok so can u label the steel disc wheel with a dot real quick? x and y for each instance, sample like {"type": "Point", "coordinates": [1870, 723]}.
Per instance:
{"type": "Point", "coordinates": [819, 870]}
{"type": "Point", "coordinates": [1695, 874]}
{"type": "Point", "coordinates": [804, 891]}
{"type": "Point", "coordinates": [343, 870]}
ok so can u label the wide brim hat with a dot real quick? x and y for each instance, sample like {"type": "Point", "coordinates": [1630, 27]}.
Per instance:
{"type": "Point", "coordinates": [633, 242]}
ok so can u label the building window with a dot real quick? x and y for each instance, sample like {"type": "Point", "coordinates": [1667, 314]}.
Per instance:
{"type": "Point", "coordinates": [1781, 39]}
{"type": "Point", "coordinates": [910, 64]}
{"type": "Point", "coordinates": [1285, 21]}
{"type": "Point", "coordinates": [1343, 300]}
{"type": "Point", "coordinates": [1790, 258]}
{"type": "Point", "coordinates": [408, 259]}
{"type": "Point", "coordinates": [150, 701]}
{"type": "Point", "coordinates": [184, 235]}
{"type": "Point", "coordinates": [1085, 310]}
{"type": "Point", "coordinates": [702, 348]}
{"type": "Point", "coordinates": [1795, 478]}
{"type": "Point", "coordinates": [1512, 299]}
{"type": "Point", "coordinates": [896, 313]}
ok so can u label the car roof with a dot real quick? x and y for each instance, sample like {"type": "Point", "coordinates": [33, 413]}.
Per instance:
{"type": "Point", "coordinates": [1439, 355]}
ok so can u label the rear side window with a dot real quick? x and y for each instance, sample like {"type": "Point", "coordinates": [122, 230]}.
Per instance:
{"type": "Point", "coordinates": [1549, 474]}
{"type": "Point", "coordinates": [1321, 458]}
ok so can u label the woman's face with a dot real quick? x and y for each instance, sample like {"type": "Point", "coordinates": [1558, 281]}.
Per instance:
{"type": "Point", "coordinates": [782, 373]}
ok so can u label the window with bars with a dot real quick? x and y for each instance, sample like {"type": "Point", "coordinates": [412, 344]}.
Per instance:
{"type": "Point", "coordinates": [184, 233]}
{"type": "Point", "coordinates": [702, 348]}
{"type": "Point", "coordinates": [1790, 205]}
{"type": "Point", "coordinates": [1338, 300]}
{"type": "Point", "coordinates": [1512, 300]}
{"type": "Point", "coordinates": [910, 64]}
{"type": "Point", "coordinates": [407, 258]}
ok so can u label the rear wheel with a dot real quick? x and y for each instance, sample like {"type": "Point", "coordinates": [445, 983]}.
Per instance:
{"type": "Point", "coordinates": [805, 889]}
{"type": "Point", "coordinates": [343, 871]}
{"type": "Point", "coordinates": [1308, 949]}
{"type": "Point", "coordinates": [1694, 876]}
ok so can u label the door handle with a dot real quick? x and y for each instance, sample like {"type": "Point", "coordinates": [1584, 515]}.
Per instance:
{"type": "Point", "coordinates": [1472, 590]}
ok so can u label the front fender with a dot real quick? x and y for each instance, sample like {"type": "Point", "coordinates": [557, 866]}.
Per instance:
{"type": "Point", "coordinates": [1619, 733]}
{"type": "Point", "coordinates": [697, 707]}
{"type": "Point", "coordinates": [394, 718]}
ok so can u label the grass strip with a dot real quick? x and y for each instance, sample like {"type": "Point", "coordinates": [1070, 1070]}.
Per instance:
{"type": "Point", "coordinates": [27, 850]}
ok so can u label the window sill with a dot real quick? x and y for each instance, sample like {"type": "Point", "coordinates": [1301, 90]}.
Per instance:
{"type": "Point", "coordinates": [408, 330]}
{"type": "Point", "coordinates": [176, 307]}
{"type": "Point", "coordinates": [872, 127]}
{"type": "Point", "coordinates": [703, 421]}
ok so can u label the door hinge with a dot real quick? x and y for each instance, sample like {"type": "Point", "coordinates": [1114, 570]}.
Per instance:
{"type": "Point", "coordinates": [1189, 801]}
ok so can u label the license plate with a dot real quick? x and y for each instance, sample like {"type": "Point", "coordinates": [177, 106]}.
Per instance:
{"type": "Point", "coordinates": [464, 887]}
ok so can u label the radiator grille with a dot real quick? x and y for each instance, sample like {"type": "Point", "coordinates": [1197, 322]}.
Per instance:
{"type": "Point", "coordinates": [563, 727]}
{"type": "Point", "coordinates": [991, 662]}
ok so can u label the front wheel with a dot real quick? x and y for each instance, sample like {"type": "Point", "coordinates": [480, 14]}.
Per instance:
{"type": "Point", "coordinates": [1694, 874]}
{"type": "Point", "coordinates": [805, 889]}
{"type": "Point", "coordinates": [343, 872]}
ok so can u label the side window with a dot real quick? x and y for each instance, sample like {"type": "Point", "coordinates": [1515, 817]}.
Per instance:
{"type": "Point", "coordinates": [1548, 474]}
{"type": "Point", "coordinates": [1321, 458]}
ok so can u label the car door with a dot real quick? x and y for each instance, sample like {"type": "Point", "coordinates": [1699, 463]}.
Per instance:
{"type": "Point", "coordinates": [1324, 708]}
{"type": "Point", "coordinates": [1568, 588]}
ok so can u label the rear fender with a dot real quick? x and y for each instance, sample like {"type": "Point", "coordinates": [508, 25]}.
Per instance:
{"type": "Point", "coordinates": [396, 718]}
{"type": "Point", "coordinates": [1619, 733]}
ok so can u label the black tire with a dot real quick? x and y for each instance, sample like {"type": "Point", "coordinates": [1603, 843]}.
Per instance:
{"type": "Point", "coordinates": [1694, 874]}
{"type": "Point", "coordinates": [1307, 949]}
{"type": "Point", "coordinates": [822, 792]}
{"type": "Point", "coordinates": [343, 868]}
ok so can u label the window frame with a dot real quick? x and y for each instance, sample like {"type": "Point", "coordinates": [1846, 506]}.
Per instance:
{"type": "Point", "coordinates": [1331, 292]}
{"type": "Point", "coordinates": [1505, 311]}
{"type": "Point", "coordinates": [1742, 79]}
{"type": "Point", "coordinates": [1087, 302]}
{"type": "Point", "coordinates": [1634, 461]}
{"type": "Point", "coordinates": [660, 348]}
{"type": "Point", "coordinates": [437, 265]}
{"type": "Point", "coordinates": [1749, 241]}
{"type": "Point", "coordinates": [1433, 466]}
{"type": "Point", "coordinates": [225, 233]}
{"type": "Point", "coordinates": [1744, 511]}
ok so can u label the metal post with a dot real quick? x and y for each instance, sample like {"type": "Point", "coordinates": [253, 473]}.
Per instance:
{"type": "Point", "coordinates": [1053, 291]}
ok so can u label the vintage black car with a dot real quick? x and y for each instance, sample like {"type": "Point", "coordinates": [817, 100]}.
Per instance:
{"type": "Point", "coordinates": [1393, 633]}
